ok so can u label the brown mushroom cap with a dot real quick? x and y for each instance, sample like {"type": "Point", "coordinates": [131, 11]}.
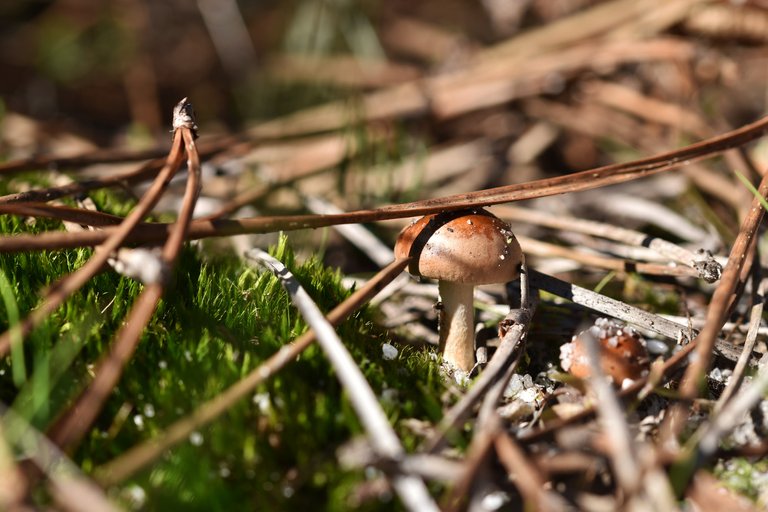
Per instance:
{"type": "Point", "coordinates": [622, 352]}
{"type": "Point", "coordinates": [466, 246]}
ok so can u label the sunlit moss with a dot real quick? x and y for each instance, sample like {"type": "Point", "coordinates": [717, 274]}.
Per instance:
{"type": "Point", "coordinates": [218, 321]}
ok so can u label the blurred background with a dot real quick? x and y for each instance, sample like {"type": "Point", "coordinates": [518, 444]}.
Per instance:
{"type": "Point", "coordinates": [107, 67]}
{"type": "Point", "coordinates": [110, 66]}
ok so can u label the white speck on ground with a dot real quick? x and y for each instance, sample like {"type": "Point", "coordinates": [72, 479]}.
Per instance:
{"type": "Point", "coordinates": [494, 500]}
{"type": "Point", "coordinates": [388, 352]}
{"type": "Point", "coordinates": [196, 438]}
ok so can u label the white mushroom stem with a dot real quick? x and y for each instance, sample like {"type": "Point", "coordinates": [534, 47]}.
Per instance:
{"type": "Point", "coordinates": [457, 324]}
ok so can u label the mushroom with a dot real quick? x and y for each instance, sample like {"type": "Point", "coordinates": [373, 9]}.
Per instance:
{"type": "Point", "coordinates": [623, 355]}
{"type": "Point", "coordinates": [461, 249]}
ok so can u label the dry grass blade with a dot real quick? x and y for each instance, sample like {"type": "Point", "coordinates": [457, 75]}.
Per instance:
{"type": "Point", "coordinates": [385, 442]}
{"type": "Point", "coordinates": [491, 84]}
{"type": "Point", "coordinates": [207, 149]}
{"type": "Point", "coordinates": [594, 22]}
{"type": "Point", "coordinates": [62, 213]}
{"type": "Point", "coordinates": [139, 456]}
{"type": "Point", "coordinates": [625, 98]}
{"type": "Point", "coordinates": [590, 259]}
{"type": "Point", "coordinates": [144, 172]}
{"type": "Point", "coordinates": [100, 156]}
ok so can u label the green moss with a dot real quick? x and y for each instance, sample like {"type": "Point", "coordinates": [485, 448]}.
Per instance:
{"type": "Point", "coordinates": [218, 321]}
{"type": "Point", "coordinates": [747, 477]}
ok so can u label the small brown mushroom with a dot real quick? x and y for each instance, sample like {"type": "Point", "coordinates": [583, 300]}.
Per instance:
{"type": "Point", "coordinates": [623, 355]}
{"type": "Point", "coordinates": [461, 249]}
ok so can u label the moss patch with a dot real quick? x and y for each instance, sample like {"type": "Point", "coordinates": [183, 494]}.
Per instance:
{"type": "Point", "coordinates": [218, 320]}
